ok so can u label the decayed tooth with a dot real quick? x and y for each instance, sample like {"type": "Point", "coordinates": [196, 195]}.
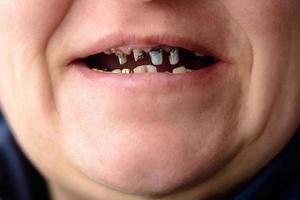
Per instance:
{"type": "Point", "coordinates": [126, 50]}
{"type": "Point", "coordinates": [140, 69]}
{"type": "Point", "coordinates": [189, 70]}
{"type": "Point", "coordinates": [151, 68]}
{"type": "Point", "coordinates": [156, 56]}
{"type": "Point", "coordinates": [138, 54]}
{"type": "Point", "coordinates": [122, 58]}
{"type": "Point", "coordinates": [179, 70]}
{"type": "Point", "coordinates": [125, 71]}
{"type": "Point", "coordinates": [174, 56]}
{"type": "Point", "coordinates": [117, 71]}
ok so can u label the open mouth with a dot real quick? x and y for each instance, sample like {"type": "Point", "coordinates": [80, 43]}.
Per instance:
{"type": "Point", "coordinates": [134, 60]}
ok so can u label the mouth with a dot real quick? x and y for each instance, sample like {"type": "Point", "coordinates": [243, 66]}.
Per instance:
{"type": "Point", "coordinates": [134, 60]}
{"type": "Point", "coordinates": [159, 60]}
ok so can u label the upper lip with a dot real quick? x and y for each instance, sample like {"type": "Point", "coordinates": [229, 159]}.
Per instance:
{"type": "Point", "coordinates": [119, 39]}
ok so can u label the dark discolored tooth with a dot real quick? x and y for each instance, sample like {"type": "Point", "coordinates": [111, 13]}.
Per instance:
{"type": "Point", "coordinates": [138, 54]}
{"type": "Point", "coordinates": [122, 57]}
{"type": "Point", "coordinates": [156, 56]}
{"type": "Point", "coordinates": [174, 56]}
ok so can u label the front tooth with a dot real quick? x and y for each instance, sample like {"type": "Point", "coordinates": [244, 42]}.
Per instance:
{"type": "Point", "coordinates": [151, 68]}
{"type": "Point", "coordinates": [174, 56]}
{"type": "Point", "coordinates": [117, 71]}
{"type": "Point", "coordinates": [125, 50]}
{"type": "Point", "coordinates": [140, 69]}
{"type": "Point", "coordinates": [125, 71]}
{"type": "Point", "coordinates": [156, 56]}
{"type": "Point", "coordinates": [179, 70]}
{"type": "Point", "coordinates": [122, 58]}
{"type": "Point", "coordinates": [138, 54]}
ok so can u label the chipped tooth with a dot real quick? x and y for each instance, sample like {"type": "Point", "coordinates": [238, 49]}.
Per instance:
{"type": "Point", "coordinates": [151, 68]}
{"type": "Point", "coordinates": [140, 69]}
{"type": "Point", "coordinates": [125, 71]}
{"type": "Point", "coordinates": [117, 71]}
{"type": "Point", "coordinates": [156, 56]}
{"type": "Point", "coordinates": [138, 54]}
{"type": "Point", "coordinates": [179, 70]}
{"type": "Point", "coordinates": [174, 56]}
{"type": "Point", "coordinates": [122, 57]}
{"type": "Point", "coordinates": [126, 50]}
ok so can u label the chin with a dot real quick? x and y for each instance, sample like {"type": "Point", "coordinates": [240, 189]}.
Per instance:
{"type": "Point", "coordinates": [144, 160]}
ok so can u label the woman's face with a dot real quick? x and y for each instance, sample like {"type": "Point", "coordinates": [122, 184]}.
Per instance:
{"type": "Point", "coordinates": [130, 135]}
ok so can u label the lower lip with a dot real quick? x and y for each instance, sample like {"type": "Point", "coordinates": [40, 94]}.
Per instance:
{"type": "Point", "coordinates": [151, 81]}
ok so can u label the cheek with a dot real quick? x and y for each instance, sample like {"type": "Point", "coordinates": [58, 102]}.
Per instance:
{"type": "Point", "coordinates": [270, 26]}
{"type": "Point", "coordinates": [264, 17]}
{"type": "Point", "coordinates": [25, 27]}
{"type": "Point", "coordinates": [34, 19]}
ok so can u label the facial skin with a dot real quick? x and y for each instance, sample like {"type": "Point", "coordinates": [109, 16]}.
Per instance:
{"type": "Point", "coordinates": [99, 140]}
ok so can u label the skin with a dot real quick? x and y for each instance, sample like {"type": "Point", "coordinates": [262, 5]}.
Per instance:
{"type": "Point", "coordinates": [89, 143]}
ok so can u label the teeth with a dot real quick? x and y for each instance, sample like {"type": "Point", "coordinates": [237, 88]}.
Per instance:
{"type": "Point", "coordinates": [125, 71]}
{"type": "Point", "coordinates": [122, 58]}
{"type": "Point", "coordinates": [199, 54]}
{"type": "Point", "coordinates": [174, 56]}
{"type": "Point", "coordinates": [97, 70]}
{"type": "Point", "coordinates": [179, 70]}
{"type": "Point", "coordinates": [156, 56]}
{"type": "Point", "coordinates": [125, 50]}
{"type": "Point", "coordinates": [145, 69]}
{"type": "Point", "coordinates": [151, 68]}
{"type": "Point", "coordinates": [140, 69]}
{"type": "Point", "coordinates": [117, 71]}
{"type": "Point", "coordinates": [138, 54]}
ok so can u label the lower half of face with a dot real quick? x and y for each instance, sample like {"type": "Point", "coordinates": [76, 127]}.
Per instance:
{"type": "Point", "coordinates": [151, 133]}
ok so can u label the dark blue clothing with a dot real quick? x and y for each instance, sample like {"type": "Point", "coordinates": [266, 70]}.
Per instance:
{"type": "Point", "coordinates": [18, 178]}
{"type": "Point", "coordinates": [279, 180]}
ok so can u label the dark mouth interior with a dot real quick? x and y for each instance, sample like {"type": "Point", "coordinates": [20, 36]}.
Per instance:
{"type": "Point", "coordinates": [188, 59]}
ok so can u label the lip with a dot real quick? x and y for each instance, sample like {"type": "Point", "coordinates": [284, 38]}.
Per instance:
{"type": "Point", "coordinates": [150, 81]}
{"type": "Point", "coordinates": [115, 40]}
